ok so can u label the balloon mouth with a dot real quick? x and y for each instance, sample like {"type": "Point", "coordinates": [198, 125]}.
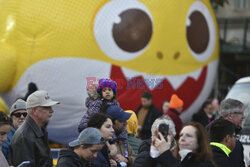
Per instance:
{"type": "Point", "coordinates": [187, 87]}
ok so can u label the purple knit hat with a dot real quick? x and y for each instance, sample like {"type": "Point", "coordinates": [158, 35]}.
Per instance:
{"type": "Point", "coordinates": [105, 82]}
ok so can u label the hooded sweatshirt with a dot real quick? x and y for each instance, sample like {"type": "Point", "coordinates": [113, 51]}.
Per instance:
{"type": "Point", "coordinates": [70, 158]}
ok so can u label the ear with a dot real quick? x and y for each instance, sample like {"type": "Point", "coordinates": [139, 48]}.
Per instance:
{"type": "Point", "coordinates": [229, 117]}
{"type": "Point", "coordinates": [227, 139]}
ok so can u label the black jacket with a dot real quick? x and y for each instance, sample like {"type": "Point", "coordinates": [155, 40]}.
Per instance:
{"type": "Point", "coordinates": [102, 159]}
{"type": "Point", "coordinates": [237, 155]}
{"type": "Point", "coordinates": [167, 159]}
{"type": "Point", "coordinates": [153, 114]}
{"type": "Point", "coordinates": [202, 118]}
{"type": "Point", "coordinates": [30, 143]}
{"type": "Point", "coordinates": [220, 158]}
{"type": "Point", "coordinates": [68, 158]}
{"type": "Point", "coordinates": [143, 153]}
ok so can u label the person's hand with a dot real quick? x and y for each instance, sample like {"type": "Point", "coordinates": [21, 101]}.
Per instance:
{"type": "Point", "coordinates": [138, 131]}
{"type": "Point", "coordinates": [160, 143]}
{"type": "Point", "coordinates": [139, 127]}
{"type": "Point", "coordinates": [112, 163]}
{"type": "Point", "coordinates": [112, 148]}
{"type": "Point", "coordinates": [120, 158]}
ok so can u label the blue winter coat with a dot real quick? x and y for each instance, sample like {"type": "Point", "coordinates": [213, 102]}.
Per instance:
{"type": "Point", "coordinates": [5, 146]}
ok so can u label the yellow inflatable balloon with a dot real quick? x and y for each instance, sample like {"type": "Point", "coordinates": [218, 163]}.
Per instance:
{"type": "Point", "coordinates": [63, 46]}
{"type": "Point", "coordinates": [3, 106]}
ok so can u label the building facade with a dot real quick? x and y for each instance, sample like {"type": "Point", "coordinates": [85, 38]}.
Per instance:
{"type": "Point", "coordinates": [234, 28]}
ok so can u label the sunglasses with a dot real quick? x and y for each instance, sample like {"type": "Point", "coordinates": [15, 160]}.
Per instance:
{"type": "Point", "coordinates": [20, 114]}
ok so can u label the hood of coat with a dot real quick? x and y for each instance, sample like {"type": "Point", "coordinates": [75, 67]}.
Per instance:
{"type": "Point", "coordinates": [69, 154]}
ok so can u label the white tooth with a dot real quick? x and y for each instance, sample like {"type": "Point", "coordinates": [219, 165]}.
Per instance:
{"type": "Point", "coordinates": [130, 73]}
{"type": "Point", "coordinates": [176, 81]}
{"type": "Point", "coordinates": [151, 80]}
{"type": "Point", "coordinates": [196, 74]}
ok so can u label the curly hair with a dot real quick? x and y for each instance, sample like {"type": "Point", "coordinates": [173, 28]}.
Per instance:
{"type": "Point", "coordinates": [97, 120]}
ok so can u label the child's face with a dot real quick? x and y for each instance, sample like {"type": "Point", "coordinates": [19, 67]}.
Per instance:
{"type": "Point", "coordinates": [107, 93]}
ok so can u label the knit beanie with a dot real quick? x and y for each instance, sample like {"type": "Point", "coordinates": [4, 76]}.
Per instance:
{"type": "Point", "coordinates": [105, 82]}
{"type": "Point", "coordinates": [175, 102]}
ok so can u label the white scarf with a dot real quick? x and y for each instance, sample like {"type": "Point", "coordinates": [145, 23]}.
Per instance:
{"type": "Point", "coordinates": [154, 153]}
{"type": "Point", "coordinates": [183, 153]}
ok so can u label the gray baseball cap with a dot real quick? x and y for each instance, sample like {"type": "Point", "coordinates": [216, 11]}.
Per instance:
{"type": "Point", "coordinates": [18, 105]}
{"type": "Point", "coordinates": [40, 98]}
{"type": "Point", "coordinates": [88, 136]}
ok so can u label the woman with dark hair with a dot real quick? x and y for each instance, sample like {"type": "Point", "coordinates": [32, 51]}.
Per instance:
{"type": "Point", "coordinates": [193, 149]}
{"type": "Point", "coordinates": [104, 124]}
{"type": "Point", "coordinates": [5, 126]}
{"type": "Point", "coordinates": [205, 115]}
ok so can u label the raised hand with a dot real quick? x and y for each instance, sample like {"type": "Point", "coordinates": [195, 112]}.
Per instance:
{"type": "Point", "coordinates": [160, 143]}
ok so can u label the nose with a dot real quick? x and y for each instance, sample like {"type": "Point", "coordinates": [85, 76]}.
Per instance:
{"type": "Point", "coordinates": [22, 117]}
{"type": "Point", "coordinates": [51, 110]}
{"type": "Point", "coordinates": [182, 138]}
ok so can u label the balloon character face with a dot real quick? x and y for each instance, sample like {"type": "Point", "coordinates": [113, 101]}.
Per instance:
{"type": "Point", "coordinates": [164, 47]}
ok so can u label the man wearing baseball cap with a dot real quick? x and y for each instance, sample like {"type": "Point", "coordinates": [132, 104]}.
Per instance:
{"type": "Point", "coordinates": [18, 114]}
{"type": "Point", "coordinates": [29, 144]}
{"type": "Point", "coordinates": [82, 150]}
{"type": "Point", "coordinates": [125, 155]}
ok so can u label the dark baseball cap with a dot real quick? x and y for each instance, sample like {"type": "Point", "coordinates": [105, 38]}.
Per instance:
{"type": "Point", "coordinates": [118, 113]}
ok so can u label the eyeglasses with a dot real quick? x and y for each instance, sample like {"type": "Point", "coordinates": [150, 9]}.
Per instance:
{"type": "Point", "coordinates": [18, 115]}
{"type": "Point", "coordinates": [234, 135]}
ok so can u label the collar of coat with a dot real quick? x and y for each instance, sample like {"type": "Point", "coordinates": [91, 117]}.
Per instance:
{"type": "Point", "coordinates": [224, 148]}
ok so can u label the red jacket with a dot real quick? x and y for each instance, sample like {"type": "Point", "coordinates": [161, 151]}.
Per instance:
{"type": "Point", "coordinates": [174, 115]}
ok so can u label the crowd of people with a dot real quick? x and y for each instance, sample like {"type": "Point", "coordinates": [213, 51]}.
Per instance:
{"type": "Point", "coordinates": [112, 137]}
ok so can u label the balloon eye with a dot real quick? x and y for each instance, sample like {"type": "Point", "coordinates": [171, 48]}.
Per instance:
{"type": "Point", "coordinates": [200, 31]}
{"type": "Point", "coordinates": [198, 26]}
{"type": "Point", "coordinates": [134, 31]}
{"type": "Point", "coordinates": [123, 29]}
